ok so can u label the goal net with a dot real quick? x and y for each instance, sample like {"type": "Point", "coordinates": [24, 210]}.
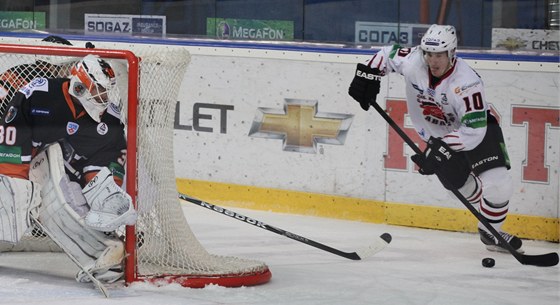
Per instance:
{"type": "Point", "coordinates": [161, 248]}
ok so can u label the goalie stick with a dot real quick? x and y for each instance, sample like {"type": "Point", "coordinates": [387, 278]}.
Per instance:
{"type": "Point", "coordinates": [378, 245]}
{"type": "Point", "coordinates": [542, 260]}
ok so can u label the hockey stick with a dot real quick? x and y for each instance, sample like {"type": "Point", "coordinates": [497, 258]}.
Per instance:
{"type": "Point", "coordinates": [95, 281]}
{"type": "Point", "coordinates": [378, 245]}
{"type": "Point", "coordinates": [543, 260]}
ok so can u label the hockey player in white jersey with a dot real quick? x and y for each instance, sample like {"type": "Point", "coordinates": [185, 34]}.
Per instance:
{"type": "Point", "coordinates": [447, 105]}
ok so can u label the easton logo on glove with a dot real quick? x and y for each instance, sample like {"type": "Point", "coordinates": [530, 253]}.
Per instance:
{"type": "Point", "coordinates": [366, 75]}
{"type": "Point", "coordinates": [440, 159]}
{"type": "Point", "coordinates": [444, 152]}
{"type": "Point", "coordinates": [365, 85]}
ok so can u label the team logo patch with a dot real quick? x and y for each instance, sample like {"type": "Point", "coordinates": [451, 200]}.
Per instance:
{"type": "Point", "coordinates": [431, 92]}
{"type": "Point", "coordinates": [26, 91]}
{"type": "Point", "coordinates": [11, 114]}
{"type": "Point", "coordinates": [114, 110]}
{"type": "Point", "coordinates": [102, 128]}
{"type": "Point", "coordinates": [38, 82]}
{"type": "Point", "coordinates": [444, 99]}
{"type": "Point", "coordinates": [79, 89]}
{"type": "Point", "coordinates": [72, 128]}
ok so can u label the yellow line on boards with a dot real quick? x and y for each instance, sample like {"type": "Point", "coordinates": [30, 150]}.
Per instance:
{"type": "Point", "coordinates": [339, 207]}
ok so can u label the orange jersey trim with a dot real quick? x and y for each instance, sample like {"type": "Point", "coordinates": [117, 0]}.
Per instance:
{"type": "Point", "coordinates": [69, 102]}
{"type": "Point", "coordinates": [15, 170]}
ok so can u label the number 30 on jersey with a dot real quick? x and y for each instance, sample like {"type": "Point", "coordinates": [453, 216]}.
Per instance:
{"type": "Point", "coordinates": [7, 135]}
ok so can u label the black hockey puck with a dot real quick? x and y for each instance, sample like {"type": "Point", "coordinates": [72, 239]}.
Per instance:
{"type": "Point", "coordinates": [488, 262]}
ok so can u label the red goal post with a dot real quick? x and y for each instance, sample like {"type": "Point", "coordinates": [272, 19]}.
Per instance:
{"type": "Point", "coordinates": [161, 248]}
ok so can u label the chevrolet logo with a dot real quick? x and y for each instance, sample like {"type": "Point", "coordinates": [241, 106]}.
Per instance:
{"type": "Point", "coordinates": [300, 126]}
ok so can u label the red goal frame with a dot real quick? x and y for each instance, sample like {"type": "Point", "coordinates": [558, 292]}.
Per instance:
{"type": "Point", "coordinates": [133, 72]}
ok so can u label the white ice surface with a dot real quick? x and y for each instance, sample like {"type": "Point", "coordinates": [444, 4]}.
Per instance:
{"type": "Point", "coordinates": [418, 267]}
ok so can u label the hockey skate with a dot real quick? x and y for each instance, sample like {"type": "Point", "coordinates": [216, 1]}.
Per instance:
{"type": "Point", "coordinates": [108, 268]}
{"type": "Point", "coordinates": [492, 243]}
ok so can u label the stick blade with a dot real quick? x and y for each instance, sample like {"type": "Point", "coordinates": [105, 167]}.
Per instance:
{"type": "Point", "coordinates": [379, 244]}
{"type": "Point", "coordinates": [543, 260]}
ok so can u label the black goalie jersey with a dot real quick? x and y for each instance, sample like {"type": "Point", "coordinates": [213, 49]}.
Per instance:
{"type": "Point", "coordinates": [42, 113]}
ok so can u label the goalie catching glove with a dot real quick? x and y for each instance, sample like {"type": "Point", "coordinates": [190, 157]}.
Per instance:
{"type": "Point", "coordinates": [452, 168]}
{"type": "Point", "coordinates": [110, 206]}
{"type": "Point", "coordinates": [365, 85]}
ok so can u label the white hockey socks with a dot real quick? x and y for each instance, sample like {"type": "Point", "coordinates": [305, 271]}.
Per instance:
{"type": "Point", "coordinates": [472, 190]}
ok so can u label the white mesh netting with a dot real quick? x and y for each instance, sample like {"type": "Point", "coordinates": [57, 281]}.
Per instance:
{"type": "Point", "coordinates": [165, 246]}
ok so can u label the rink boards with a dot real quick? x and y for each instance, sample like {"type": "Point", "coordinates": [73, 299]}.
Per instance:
{"type": "Point", "coordinates": [273, 128]}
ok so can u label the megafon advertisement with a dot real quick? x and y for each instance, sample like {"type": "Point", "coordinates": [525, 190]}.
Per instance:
{"type": "Point", "coordinates": [22, 21]}
{"type": "Point", "coordinates": [246, 29]}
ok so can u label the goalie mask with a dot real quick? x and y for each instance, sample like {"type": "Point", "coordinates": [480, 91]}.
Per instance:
{"type": "Point", "coordinates": [440, 38]}
{"type": "Point", "coordinates": [93, 83]}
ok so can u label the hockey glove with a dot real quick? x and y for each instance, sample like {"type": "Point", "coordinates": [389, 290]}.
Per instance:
{"type": "Point", "coordinates": [452, 168]}
{"type": "Point", "coordinates": [365, 85]}
{"type": "Point", "coordinates": [111, 206]}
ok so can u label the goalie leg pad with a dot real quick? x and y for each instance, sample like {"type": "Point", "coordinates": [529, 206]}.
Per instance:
{"type": "Point", "coordinates": [18, 198]}
{"type": "Point", "coordinates": [93, 249]}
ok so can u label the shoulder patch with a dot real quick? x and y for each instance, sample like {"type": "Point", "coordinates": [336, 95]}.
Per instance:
{"type": "Point", "coordinates": [10, 114]}
{"type": "Point", "coordinates": [102, 128]}
{"type": "Point", "coordinates": [114, 110]}
{"type": "Point", "coordinates": [72, 127]}
{"type": "Point", "coordinates": [38, 84]}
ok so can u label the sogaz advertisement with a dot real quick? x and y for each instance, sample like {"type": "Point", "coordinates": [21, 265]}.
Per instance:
{"type": "Point", "coordinates": [405, 34]}
{"type": "Point", "coordinates": [125, 24]}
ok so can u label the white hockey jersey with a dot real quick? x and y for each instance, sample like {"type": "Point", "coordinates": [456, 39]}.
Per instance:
{"type": "Point", "coordinates": [453, 108]}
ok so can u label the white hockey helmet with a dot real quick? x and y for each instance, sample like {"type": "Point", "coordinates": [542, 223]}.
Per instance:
{"type": "Point", "coordinates": [440, 38]}
{"type": "Point", "coordinates": [93, 83]}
